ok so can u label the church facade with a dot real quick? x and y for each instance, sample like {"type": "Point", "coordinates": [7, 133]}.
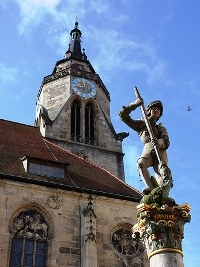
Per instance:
{"type": "Point", "coordinates": [64, 200]}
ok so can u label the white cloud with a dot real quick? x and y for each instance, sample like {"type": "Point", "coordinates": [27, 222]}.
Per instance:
{"type": "Point", "coordinates": [7, 74]}
{"type": "Point", "coordinates": [100, 6]}
{"type": "Point", "coordinates": [113, 46]}
{"type": "Point", "coordinates": [10, 77]}
{"type": "Point", "coordinates": [32, 11]}
{"type": "Point", "coordinates": [124, 53]}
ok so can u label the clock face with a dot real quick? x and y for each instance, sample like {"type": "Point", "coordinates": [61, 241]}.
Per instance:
{"type": "Point", "coordinates": [83, 87]}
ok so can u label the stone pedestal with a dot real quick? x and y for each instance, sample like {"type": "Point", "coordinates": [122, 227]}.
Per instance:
{"type": "Point", "coordinates": [162, 229]}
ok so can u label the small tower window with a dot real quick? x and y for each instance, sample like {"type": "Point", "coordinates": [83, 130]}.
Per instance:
{"type": "Point", "coordinates": [75, 121]}
{"type": "Point", "coordinates": [89, 124]}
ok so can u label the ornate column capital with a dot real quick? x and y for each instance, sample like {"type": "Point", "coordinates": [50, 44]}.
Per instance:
{"type": "Point", "coordinates": [162, 228]}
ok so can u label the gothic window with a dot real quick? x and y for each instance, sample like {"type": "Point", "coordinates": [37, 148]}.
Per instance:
{"type": "Point", "coordinates": [125, 243]}
{"type": "Point", "coordinates": [89, 124]}
{"type": "Point", "coordinates": [29, 242]}
{"type": "Point", "coordinates": [75, 121]}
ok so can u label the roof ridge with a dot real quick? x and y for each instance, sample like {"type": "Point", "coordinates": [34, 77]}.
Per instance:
{"type": "Point", "coordinates": [19, 123]}
{"type": "Point", "coordinates": [111, 174]}
{"type": "Point", "coordinates": [80, 158]}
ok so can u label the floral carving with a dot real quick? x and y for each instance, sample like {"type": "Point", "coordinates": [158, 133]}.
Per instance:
{"type": "Point", "coordinates": [54, 202]}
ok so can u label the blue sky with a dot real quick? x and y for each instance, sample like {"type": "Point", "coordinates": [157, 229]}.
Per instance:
{"type": "Point", "coordinates": [151, 44]}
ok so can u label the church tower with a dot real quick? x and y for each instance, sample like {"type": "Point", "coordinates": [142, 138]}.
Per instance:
{"type": "Point", "coordinates": [73, 110]}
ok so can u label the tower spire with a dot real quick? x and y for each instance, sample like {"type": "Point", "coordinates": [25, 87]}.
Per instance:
{"type": "Point", "coordinates": [74, 49]}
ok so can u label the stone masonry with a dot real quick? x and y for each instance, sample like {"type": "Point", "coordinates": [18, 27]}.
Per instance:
{"type": "Point", "coordinates": [64, 212]}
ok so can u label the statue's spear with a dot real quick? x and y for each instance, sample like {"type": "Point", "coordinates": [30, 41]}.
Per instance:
{"type": "Point", "coordinates": [148, 125]}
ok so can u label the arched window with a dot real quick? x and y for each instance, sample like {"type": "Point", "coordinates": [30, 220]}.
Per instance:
{"type": "Point", "coordinates": [75, 121]}
{"type": "Point", "coordinates": [89, 124]}
{"type": "Point", "coordinates": [29, 242]}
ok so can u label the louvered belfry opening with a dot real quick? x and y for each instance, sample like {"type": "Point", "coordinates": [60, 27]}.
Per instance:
{"type": "Point", "coordinates": [89, 124]}
{"type": "Point", "coordinates": [75, 121]}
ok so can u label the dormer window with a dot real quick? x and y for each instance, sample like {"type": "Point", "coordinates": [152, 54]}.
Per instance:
{"type": "Point", "coordinates": [45, 168]}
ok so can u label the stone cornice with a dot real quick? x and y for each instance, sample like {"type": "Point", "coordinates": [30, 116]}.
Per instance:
{"type": "Point", "coordinates": [75, 72]}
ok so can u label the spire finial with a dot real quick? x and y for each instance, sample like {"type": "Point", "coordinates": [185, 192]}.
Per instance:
{"type": "Point", "coordinates": [76, 23]}
{"type": "Point", "coordinates": [75, 46]}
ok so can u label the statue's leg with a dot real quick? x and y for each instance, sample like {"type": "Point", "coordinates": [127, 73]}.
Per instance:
{"type": "Point", "coordinates": [142, 166]}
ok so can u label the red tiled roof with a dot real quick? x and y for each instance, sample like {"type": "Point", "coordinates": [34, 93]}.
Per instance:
{"type": "Point", "coordinates": [19, 140]}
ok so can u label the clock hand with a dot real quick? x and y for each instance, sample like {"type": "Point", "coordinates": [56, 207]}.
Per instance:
{"type": "Point", "coordinates": [83, 82]}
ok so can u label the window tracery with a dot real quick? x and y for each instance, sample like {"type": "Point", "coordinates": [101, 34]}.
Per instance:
{"type": "Point", "coordinates": [29, 242]}
{"type": "Point", "coordinates": [76, 121]}
{"type": "Point", "coordinates": [83, 122]}
{"type": "Point", "coordinates": [89, 124]}
{"type": "Point", "coordinates": [125, 243]}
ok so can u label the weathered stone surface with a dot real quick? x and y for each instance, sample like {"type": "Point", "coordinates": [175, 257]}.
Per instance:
{"type": "Point", "coordinates": [64, 243]}
{"type": "Point", "coordinates": [167, 259]}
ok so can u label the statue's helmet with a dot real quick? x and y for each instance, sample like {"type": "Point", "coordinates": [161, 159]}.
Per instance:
{"type": "Point", "coordinates": [156, 103]}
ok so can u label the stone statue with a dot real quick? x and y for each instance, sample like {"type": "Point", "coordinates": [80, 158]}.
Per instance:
{"type": "Point", "coordinates": [153, 135]}
{"type": "Point", "coordinates": [160, 220]}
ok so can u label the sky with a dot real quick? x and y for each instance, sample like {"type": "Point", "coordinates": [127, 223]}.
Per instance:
{"type": "Point", "coordinates": [153, 45]}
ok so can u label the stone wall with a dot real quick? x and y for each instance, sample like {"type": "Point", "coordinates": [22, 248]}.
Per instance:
{"type": "Point", "coordinates": [67, 215]}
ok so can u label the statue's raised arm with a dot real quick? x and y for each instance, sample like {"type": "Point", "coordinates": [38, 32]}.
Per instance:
{"type": "Point", "coordinates": [154, 137]}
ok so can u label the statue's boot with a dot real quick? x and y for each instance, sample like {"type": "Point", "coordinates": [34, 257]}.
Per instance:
{"type": "Point", "coordinates": [146, 178]}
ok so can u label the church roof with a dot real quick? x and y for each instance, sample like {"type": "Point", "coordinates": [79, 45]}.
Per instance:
{"type": "Point", "coordinates": [19, 141]}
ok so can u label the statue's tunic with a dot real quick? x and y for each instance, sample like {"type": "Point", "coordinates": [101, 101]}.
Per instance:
{"type": "Point", "coordinates": [139, 126]}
